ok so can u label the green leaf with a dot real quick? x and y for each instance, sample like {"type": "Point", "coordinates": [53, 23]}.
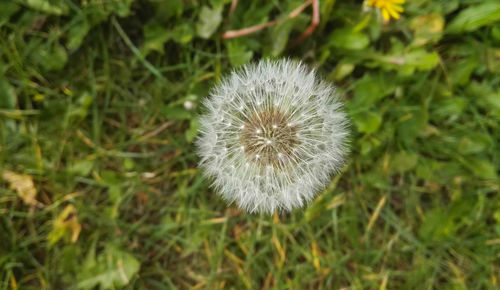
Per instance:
{"type": "Point", "coordinates": [280, 35]}
{"type": "Point", "coordinates": [485, 95]}
{"type": "Point", "coordinates": [461, 70]}
{"type": "Point", "coordinates": [183, 33]}
{"type": "Point", "coordinates": [209, 20]}
{"type": "Point", "coordinates": [436, 226]}
{"type": "Point", "coordinates": [408, 130]}
{"type": "Point", "coordinates": [238, 53]}
{"type": "Point", "coordinates": [370, 89]}
{"type": "Point", "coordinates": [493, 100]}
{"type": "Point", "coordinates": [427, 168]}
{"type": "Point", "coordinates": [56, 7]}
{"type": "Point", "coordinates": [167, 9]}
{"type": "Point", "coordinates": [481, 168]}
{"type": "Point", "coordinates": [475, 17]}
{"type": "Point", "coordinates": [112, 268]}
{"type": "Point", "coordinates": [367, 122]}
{"type": "Point", "coordinates": [155, 36]}
{"type": "Point", "coordinates": [176, 113]}
{"type": "Point", "coordinates": [474, 143]}
{"type": "Point", "coordinates": [495, 32]}
{"type": "Point", "coordinates": [408, 62]}
{"type": "Point", "coordinates": [403, 161]}
{"type": "Point", "coordinates": [192, 131]}
{"type": "Point", "coordinates": [343, 69]}
{"type": "Point", "coordinates": [443, 222]}
{"type": "Point", "coordinates": [7, 9]}
{"type": "Point", "coordinates": [121, 8]}
{"type": "Point", "coordinates": [77, 32]}
{"type": "Point", "coordinates": [427, 28]}
{"type": "Point", "coordinates": [8, 97]}
{"type": "Point", "coordinates": [349, 39]}
{"type": "Point", "coordinates": [449, 108]}
{"type": "Point", "coordinates": [367, 144]}
{"type": "Point", "coordinates": [81, 167]}
{"type": "Point", "coordinates": [52, 57]}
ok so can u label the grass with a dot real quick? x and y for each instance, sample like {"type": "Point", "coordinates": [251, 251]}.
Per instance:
{"type": "Point", "coordinates": [99, 184]}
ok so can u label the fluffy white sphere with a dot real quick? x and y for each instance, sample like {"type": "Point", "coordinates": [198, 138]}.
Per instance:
{"type": "Point", "coordinates": [272, 136]}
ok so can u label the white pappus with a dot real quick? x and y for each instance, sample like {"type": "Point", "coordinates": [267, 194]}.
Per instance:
{"type": "Point", "coordinates": [272, 135]}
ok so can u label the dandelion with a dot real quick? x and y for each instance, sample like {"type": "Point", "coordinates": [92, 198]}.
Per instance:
{"type": "Point", "coordinates": [389, 8]}
{"type": "Point", "coordinates": [272, 136]}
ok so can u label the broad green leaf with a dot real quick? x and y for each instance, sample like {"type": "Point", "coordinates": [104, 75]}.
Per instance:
{"type": "Point", "coordinates": [192, 131]}
{"type": "Point", "coordinates": [492, 60]}
{"type": "Point", "coordinates": [409, 129]}
{"type": "Point", "coordinates": [481, 168]}
{"type": "Point", "coordinates": [77, 32]}
{"type": "Point", "coordinates": [367, 144]}
{"type": "Point", "coordinates": [449, 108]}
{"type": "Point", "coordinates": [348, 39]}
{"type": "Point", "coordinates": [448, 6]}
{"type": "Point", "coordinates": [342, 70]}
{"type": "Point", "coordinates": [155, 36]}
{"type": "Point", "coordinates": [128, 163]}
{"type": "Point", "coordinates": [116, 197]}
{"type": "Point", "coordinates": [403, 161]}
{"type": "Point", "coordinates": [56, 7]}
{"type": "Point", "coordinates": [52, 57]}
{"type": "Point", "coordinates": [280, 35]}
{"type": "Point", "coordinates": [475, 17]}
{"type": "Point", "coordinates": [367, 122]}
{"type": "Point", "coordinates": [427, 167]}
{"type": "Point", "coordinates": [461, 70]}
{"type": "Point", "coordinates": [408, 62]}
{"type": "Point", "coordinates": [121, 8]}
{"type": "Point", "coordinates": [427, 28]}
{"type": "Point", "coordinates": [443, 222]}
{"type": "Point", "coordinates": [112, 268]}
{"type": "Point", "coordinates": [436, 226]}
{"type": "Point", "coordinates": [326, 11]}
{"type": "Point", "coordinates": [109, 178]}
{"type": "Point", "coordinates": [375, 179]}
{"type": "Point", "coordinates": [78, 111]}
{"type": "Point", "coordinates": [176, 113]}
{"type": "Point", "coordinates": [81, 167]}
{"type": "Point", "coordinates": [495, 32]}
{"type": "Point", "coordinates": [183, 33]}
{"type": "Point", "coordinates": [484, 94]}
{"type": "Point", "coordinates": [8, 97]}
{"type": "Point", "coordinates": [7, 9]}
{"type": "Point", "coordinates": [238, 53]}
{"type": "Point", "coordinates": [474, 143]}
{"type": "Point", "coordinates": [448, 171]}
{"type": "Point", "coordinates": [493, 100]}
{"type": "Point", "coordinates": [208, 21]}
{"type": "Point", "coordinates": [168, 9]}
{"type": "Point", "coordinates": [370, 89]}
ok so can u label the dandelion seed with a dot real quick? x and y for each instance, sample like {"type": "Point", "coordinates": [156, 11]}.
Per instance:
{"type": "Point", "coordinates": [188, 105]}
{"type": "Point", "coordinates": [287, 141]}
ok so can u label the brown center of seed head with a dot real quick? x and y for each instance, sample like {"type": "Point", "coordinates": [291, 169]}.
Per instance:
{"type": "Point", "coordinates": [269, 138]}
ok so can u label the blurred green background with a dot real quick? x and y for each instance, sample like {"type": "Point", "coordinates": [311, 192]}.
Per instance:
{"type": "Point", "coordinates": [99, 187]}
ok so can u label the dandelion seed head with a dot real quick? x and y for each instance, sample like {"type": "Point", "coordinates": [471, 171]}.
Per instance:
{"type": "Point", "coordinates": [272, 136]}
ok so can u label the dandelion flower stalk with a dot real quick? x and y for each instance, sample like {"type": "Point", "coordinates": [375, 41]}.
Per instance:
{"type": "Point", "coordinates": [272, 136]}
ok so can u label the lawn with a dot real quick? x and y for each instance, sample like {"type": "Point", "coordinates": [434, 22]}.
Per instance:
{"type": "Point", "coordinates": [99, 113]}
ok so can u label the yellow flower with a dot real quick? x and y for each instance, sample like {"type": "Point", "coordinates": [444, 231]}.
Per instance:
{"type": "Point", "coordinates": [389, 8]}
